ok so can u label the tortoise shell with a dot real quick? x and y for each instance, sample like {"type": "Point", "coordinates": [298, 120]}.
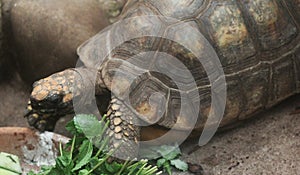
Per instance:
{"type": "Point", "coordinates": [256, 42]}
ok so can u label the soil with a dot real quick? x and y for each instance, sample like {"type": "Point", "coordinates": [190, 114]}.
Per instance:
{"type": "Point", "coordinates": [266, 144]}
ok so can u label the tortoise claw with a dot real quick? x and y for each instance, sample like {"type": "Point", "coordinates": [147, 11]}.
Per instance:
{"type": "Point", "coordinates": [28, 110]}
{"type": "Point", "coordinates": [41, 122]}
{"type": "Point", "coordinates": [41, 125]}
{"type": "Point", "coordinates": [31, 116]}
{"type": "Point", "coordinates": [32, 119]}
{"type": "Point", "coordinates": [28, 113]}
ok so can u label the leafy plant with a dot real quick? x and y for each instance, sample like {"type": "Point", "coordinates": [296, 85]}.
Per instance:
{"type": "Point", "coordinates": [82, 157]}
{"type": "Point", "coordinates": [166, 157]}
{"type": "Point", "coordinates": [9, 164]}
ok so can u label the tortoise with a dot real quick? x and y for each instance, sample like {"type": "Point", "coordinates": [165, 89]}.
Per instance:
{"type": "Point", "coordinates": [256, 43]}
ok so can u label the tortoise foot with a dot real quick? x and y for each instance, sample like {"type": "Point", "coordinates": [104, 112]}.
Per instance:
{"type": "Point", "coordinates": [41, 122]}
{"type": "Point", "coordinates": [122, 131]}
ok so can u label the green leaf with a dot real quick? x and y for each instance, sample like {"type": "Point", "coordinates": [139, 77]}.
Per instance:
{"type": "Point", "coordinates": [84, 155]}
{"type": "Point", "coordinates": [83, 172]}
{"type": "Point", "coordinates": [30, 173]}
{"type": "Point", "coordinates": [63, 161]}
{"type": "Point", "coordinates": [169, 152]}
{"type": "Point", "coordinates": [64, 164]}
{"type": "Point", "coordinates": [70, 126]}
{"type": "Point", "coordinates": [150, 152]}
{"type": "Point", "coordinates": [88, 124]}
{"type": "Point", "coordinates": [92, 163]}
{"type": "Point", "coordinates": [79, 139]}
{"type": "Point", "coordinates": [45, 167]}
{"type": "Point", "coordinates": [46, 170]}
{"type": "Point", "coordinates": [53, 171]}
{"type": "Point", "coordinates": [9, 163]}
{"type": "Point", "coordinates": [167, 168]}
{"type": "Point", "coordinates": [160, 162]}
{"type": "Point", "coordinates": [113, 167]}
{"type": "Point", "coordinates": [179, 164]}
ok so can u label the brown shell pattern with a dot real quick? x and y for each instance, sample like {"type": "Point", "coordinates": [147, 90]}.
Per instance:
{"type": "Point", "coordinates": [257, 42]}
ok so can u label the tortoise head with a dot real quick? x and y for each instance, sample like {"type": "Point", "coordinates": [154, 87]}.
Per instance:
{"type": "Point", "coordinates": [50, 99]}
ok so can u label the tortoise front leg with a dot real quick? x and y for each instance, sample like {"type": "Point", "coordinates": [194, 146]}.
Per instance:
{"type": "Point", "coordinates": [123, 131]}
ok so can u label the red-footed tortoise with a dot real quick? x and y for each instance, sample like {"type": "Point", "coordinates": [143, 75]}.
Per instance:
{"type": "Point", "coordinates": [257, 43]}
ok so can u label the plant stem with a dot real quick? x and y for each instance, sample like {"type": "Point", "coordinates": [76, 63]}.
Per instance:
{"type": "Point", "coordinates": [72, 147]}
{"type": "Point", "coordinates": [100, 163]}
{"type": "Point", "coordinates": [123, 167]}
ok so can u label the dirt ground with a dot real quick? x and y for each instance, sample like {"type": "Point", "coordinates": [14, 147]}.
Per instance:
{"type": "Point", "coordinates": [267, 144]}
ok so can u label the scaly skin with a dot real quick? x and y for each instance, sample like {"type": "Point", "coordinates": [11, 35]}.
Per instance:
{"type": "Point", "coordinates": [52, 98]}
{"type": "Point", "coordinates": [122, 130]}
